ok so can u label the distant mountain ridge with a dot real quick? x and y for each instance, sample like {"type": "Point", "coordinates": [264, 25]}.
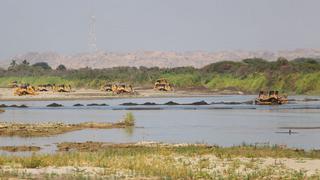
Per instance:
{"type": "Point", "coordinates": [102, 59]}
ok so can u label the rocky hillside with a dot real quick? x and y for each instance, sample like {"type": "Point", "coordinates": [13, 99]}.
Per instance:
{"type": "Point", "coordinates": [154, 58]}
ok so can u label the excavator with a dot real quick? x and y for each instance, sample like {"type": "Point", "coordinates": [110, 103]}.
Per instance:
{"type": "Point", "coordinates": [271, 98]}
{"type": "Point", "coordinates": [162, 85]}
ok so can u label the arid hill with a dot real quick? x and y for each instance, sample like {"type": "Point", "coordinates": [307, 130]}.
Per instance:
{"type": "Point", "coordinates": [102, 59]}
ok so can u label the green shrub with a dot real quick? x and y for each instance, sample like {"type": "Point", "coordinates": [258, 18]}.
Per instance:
{"type": "Point", "coordinates": [129, 119]}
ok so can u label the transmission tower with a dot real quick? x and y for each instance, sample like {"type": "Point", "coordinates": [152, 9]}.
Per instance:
{"type": "Point", "coordinates": [92, 41]}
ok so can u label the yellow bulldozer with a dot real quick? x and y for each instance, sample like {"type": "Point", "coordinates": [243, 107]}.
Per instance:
{"type": "Point", "coordinates": [44, 87]}
{"type": "Point", "coordinates": [117, 88]}
{"type": "Point", "coordinates": [162, 85]}
{"type": "Point", "coordinates": [61, 88]}
{"type": "Point", "coordinates": [14, 84]}
{"type": "Point", "coordinates": [107, 87]}
{"type": "Point", "coordinates": [122, 89]}
{"type": "Point", "coordinates": [271, 98]}
{"type": "Point", "coordinates": [24, 89]}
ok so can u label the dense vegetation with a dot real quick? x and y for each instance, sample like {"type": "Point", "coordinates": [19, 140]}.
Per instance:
{"type": "Point", "coordinates": [299, 76]}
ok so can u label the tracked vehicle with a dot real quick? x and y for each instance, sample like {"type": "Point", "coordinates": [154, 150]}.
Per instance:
{"type": "Point", "coordinates": [24, 89]}
{"type": "Point", "coordinates": [62, 88]}
{"type": "Point", "coordinates": [162, 85]}
{"type": "Point", "coordinates": [14, 84]}
{"type": "Point", "coordinates": [107, 87]}
{"type": "Point", "coordinates": [44, 88]}
{"type": "Point", "coordinates": [270, 98]}
{"type": "Point", "coordinates": [122, 89]}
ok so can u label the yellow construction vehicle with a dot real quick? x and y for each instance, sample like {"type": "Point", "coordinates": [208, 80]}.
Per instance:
{"type": "Point", "coordinates": [107, 87]}
{"type": "Point", "coordinates": [62, 88]}
{"type": "Point", "coordinates": [25, 89]}
{"type": "Point", "coordinates": [122, 89]}
{"type": "Point", "coordinates": [44, 88]}
{"type": "Point", "coordinates": [162, 85]}
{"type": "Point", "coordinates": [271, 98]}
{"type": "Point", "coordinates": [13, 84]}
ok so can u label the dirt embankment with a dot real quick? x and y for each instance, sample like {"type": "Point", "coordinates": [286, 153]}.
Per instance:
{"type": "Point", "coordinates": [49, 129]}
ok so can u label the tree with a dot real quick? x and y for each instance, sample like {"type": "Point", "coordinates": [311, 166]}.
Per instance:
{"type": "Point", "coordinates": [282, 61]}
{"type": "Point", "coordinates": [61, 67]}
{"type": "Point", "coordinates": [42, 65]}
{"type": "Point", "coordinates": [25, 62]}
{"type": "Point", "coordinates": [13, 63]}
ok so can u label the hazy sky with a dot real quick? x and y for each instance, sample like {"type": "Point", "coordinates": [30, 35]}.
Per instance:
{"type": "Point", "coordinates": [169, 25]}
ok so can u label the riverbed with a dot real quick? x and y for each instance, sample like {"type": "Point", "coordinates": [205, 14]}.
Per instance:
{"type": "Point", "coordinates": [227, 120]}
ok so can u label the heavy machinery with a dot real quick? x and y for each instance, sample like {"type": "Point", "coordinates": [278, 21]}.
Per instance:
{"type": "Point", "coordinates": [61, 88]}
{"type": "Point", "coordinates": [44, 88]}
{"type": "Point", "coordinates": [162, 85]}
{"type": "Point", "coordinates": [270, 98]}
{"type": "Point", "coordinates": [13, 84]}
{"type": "Point", "coordinates": [107, 87]}
{"type": "Point", "coordinates": [117, 88]}
{"type": "Point", "coordinates": [24, 89]}
{"type": "Point", "coordinates": [122, 89]}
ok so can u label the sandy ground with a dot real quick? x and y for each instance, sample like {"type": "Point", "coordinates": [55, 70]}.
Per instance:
{"type": "Point", "coordinates": [281, 165]}
{"type": "Point", "coordinates": [6, 94]}
{"type": "Point", "coordinates": [268, 167]}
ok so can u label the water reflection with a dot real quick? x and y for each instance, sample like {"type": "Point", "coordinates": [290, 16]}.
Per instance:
{"type": "Point", "coordinates": [129, 130]}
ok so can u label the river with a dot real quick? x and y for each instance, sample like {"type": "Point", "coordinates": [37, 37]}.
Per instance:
{"type": "Point", "coordinates": [223, 123]}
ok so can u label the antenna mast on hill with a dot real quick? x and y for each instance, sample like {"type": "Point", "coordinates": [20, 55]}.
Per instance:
{"type": "Point", "coordinates": [92, 41]}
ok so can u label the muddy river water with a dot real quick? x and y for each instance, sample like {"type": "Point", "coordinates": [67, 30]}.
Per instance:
{"type": "Point", "coordinates": [223, 124]}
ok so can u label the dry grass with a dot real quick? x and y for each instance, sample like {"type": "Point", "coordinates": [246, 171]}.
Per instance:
{"type": "Point", "coordinates": [171, 161]}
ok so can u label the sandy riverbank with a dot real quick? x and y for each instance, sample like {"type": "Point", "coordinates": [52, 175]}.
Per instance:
{"type": "Point", "coordinates": [6, 94]}
{"type": "Point", "coordinates": [150, 160]}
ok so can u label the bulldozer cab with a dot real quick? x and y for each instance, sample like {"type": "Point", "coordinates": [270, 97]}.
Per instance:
{"type": "Point", "coordinates": [162, 81]}
{"type": "Point", "coordinates": [107, 87]}
{"type": "Point", "coordinates": [162, 85]}
{"type": "Point", "coordinates": [13, 84]}
{"type": "Point", "coordinates": [62, 88]}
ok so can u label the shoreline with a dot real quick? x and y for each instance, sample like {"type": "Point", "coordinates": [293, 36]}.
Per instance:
{"type": "Point", "coordinates": [6, 94]}
{"type": "Point", "coordinates": [150, 160]}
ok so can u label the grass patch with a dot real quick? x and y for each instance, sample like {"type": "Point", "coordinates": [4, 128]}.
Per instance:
{"type": "Point", "coordinates": [170, 161]}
